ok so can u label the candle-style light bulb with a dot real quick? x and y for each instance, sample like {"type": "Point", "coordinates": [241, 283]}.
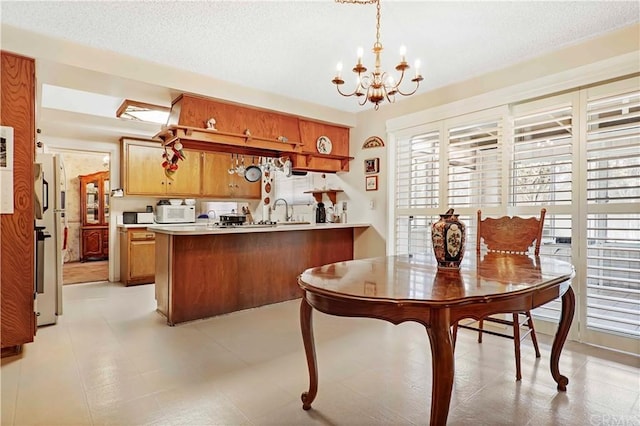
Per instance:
{"type": "Point", "coordinates": [403, 52]}
{"type": "Point", "coordinates": [390, 82]}
{"type": "Point", "coordinates": [417, 65]}
{"type": "Point", "coordinates": [360, 52]}
{"type": "Point", "coordinates": [338, 69]}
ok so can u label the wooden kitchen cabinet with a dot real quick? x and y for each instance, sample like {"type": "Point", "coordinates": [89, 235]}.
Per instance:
{"type": "Point", "coordinates": [94, 214]}
{"type": "Point", "coordinates": [143, 173]}
{"type": "Point", "coordinates": [218, 183]}
{"type": "Point", "coordinates": [137, 256]}
{"type": "Point", "coordinates": [95, 243]}
{"type": "Point", "coordinates": [311, 160]}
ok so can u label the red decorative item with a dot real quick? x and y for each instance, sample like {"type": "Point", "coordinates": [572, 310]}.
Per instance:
{"type": "Point", "coordinates": [171, 155]}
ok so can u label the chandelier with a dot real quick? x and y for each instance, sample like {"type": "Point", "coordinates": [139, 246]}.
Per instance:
{"type": "Point", "coordinates": [377, 85]}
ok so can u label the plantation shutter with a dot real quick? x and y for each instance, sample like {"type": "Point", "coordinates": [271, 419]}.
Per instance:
{"type": "Point", "coordinates": [417, 188]}
{"type": "Point", "coordinates": [542, 150]}
{"type": "Point", "coordinates": [417, 171]}
{"type": "Point", "coordinates": [613, 209]}
{"type": "Point", "coordinates": [474, 175]}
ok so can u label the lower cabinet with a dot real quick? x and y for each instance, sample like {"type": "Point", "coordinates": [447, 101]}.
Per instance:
{"type": "Point", "coordinates": [137, 256]}
{"type": "Point", "coordinates": [95, 243]}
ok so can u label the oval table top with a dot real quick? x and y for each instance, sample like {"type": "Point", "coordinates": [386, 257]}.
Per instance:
{"type": "Point", "coordinates": [416, 278]}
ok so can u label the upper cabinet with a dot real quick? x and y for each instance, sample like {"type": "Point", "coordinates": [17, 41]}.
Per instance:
{"type": "Point", "coordinates": [217, 182]}
{"type": "Point", "coordinates": [143, 173]}
{"type": "Point", "coordinates": [210, 125]}
{"type": "Point", "coordinates": [200, 174]}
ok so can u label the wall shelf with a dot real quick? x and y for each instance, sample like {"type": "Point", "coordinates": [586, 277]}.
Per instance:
{"type": "Point", "coordinates": [331, 193]}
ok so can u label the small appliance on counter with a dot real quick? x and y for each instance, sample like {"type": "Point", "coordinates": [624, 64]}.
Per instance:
{"type": "Point", "coordinates": [175, 214]}
{"type": "Point", "coordinates": [137, 217]}
{"type": "Point", "coordinates": [321, 213]}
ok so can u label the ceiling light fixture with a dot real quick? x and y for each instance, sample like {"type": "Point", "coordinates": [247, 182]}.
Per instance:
{"type": "Point", "coordinates": [377, 86]}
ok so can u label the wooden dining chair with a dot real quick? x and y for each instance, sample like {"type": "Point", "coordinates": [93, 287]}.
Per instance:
{"type": "Point", "coordinates": [509, 234]}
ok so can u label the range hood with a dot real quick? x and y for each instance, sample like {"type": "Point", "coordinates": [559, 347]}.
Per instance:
{"type": "Point", "coordinates": [210, 125]}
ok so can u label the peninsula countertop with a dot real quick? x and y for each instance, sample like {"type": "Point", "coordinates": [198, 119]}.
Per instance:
{"type": "Point", "coordinates": [204, 229]}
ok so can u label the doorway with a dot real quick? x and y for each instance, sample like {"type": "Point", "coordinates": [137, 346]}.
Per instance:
{"type": "Point", "coordinates": [76, 268]}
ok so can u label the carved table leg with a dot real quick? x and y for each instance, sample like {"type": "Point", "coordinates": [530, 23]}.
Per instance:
{"type": "Point", "coordinates": [442, 365]}
{"type": "Point", "coordinates": [568, 308]}
{"type": "Point", "coordinates": [306, 325]}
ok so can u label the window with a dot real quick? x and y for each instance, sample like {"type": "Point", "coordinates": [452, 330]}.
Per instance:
{"type": "Point", "coordinates": [474, 172]}
{"type": "Point", "coordinates": [613, 209]}
{"type": "Point", "coordinates": [292, 188]}
{"type": "Point", "coordinates": [542, 156]}
{"type": "Point", "coordinates": [575, 154]}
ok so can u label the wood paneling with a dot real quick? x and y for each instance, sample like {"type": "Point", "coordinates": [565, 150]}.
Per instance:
{"type": "Point", "coordinates": [17, 229]}
{"type": "Point", "coordinates": [216, 274]}
{"type": "Point", "coordinates": [310, 131]}
{"type": "Point", "coordinates": [266, 127]}
{"type": "Point", "coordinates": [194, 111]}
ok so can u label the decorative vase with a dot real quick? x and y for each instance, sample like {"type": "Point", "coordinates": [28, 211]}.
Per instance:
{"type": "Point", "coordinates": [448, 236]}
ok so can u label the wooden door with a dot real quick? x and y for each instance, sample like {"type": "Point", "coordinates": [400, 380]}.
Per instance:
{"type": "Point", "coordinates": [215, 175]}
{"type": "Point", "coordinates": [17, 102]}
{"type": "Point", "coordinates": [142, 257]}
{"type": "Point", "coordinates": [186, 180]}
{"type": "Point", "coordinates": [143, 170]}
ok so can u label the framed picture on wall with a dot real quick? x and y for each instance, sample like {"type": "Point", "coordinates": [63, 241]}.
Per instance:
{"type": "Point", "coordinates": [371, 183]}
{"type": "Point", "coordinates": [372, 165]}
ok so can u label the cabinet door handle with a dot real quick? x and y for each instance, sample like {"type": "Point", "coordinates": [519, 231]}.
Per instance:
{"type": "Point", "coordinates": [162, 183]}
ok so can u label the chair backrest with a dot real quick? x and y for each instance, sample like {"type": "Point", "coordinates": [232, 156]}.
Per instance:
{"type": "Point", "coordinates": [511, 234]}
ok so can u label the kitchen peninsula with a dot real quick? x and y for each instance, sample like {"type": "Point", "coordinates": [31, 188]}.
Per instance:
{"type": "Point", "coordinates": [202, 272]}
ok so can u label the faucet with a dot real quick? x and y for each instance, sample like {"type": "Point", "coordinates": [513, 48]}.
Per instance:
{"type": "Point", "coordinates": [287, 218]}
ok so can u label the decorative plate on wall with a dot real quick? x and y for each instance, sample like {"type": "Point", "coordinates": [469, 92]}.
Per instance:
{"type": "Point", "coordinates": [372, 142]}
{"type": "Point", "coordinates": [323, 144]}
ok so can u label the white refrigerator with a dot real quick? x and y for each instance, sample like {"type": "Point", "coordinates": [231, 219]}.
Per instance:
{"type": "Point", "coordinates": [49, 296]}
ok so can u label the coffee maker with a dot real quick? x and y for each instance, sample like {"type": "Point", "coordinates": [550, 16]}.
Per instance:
{"type": "Point", "coordinates": [321, 213]}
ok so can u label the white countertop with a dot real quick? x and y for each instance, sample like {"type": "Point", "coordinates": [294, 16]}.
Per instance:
{"type": "Point", "coordinates": [202, 229]}
{"type": "Point", "coordinates": [137, 225]}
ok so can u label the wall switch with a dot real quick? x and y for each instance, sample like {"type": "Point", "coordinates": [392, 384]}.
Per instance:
{"type": "Point", "coordinates": [371, 205]}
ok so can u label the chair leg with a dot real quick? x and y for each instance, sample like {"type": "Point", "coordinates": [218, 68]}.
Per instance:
{"type": "Point", "coordinates": [454, 334]}
{"type": "Point", "coordinates": [516, 343]}
{"type": "Point", "coordinates": [534, 339]}
{"type": "Point", "coordinates": [480, 330]}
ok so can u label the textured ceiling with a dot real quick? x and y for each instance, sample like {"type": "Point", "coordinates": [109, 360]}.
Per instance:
{"type": "Point", "coordinates": [291, 47]}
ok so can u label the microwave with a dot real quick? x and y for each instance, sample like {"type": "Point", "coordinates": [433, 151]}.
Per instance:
{"type": "Point", "coordinates": [136, 217]}
{"type": "Point", "coordinates": [175, 214]}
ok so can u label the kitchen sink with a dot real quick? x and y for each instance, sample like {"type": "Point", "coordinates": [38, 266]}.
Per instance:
{"type": "Point", "coordinates": [294, 223]}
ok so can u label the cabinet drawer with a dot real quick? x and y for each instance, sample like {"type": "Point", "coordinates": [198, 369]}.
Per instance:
{"type": "Point", "coordinates": [142, 235]}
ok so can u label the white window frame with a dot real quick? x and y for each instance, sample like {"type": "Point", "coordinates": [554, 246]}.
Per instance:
{"type": "Point", "coordinates": [403, 127]}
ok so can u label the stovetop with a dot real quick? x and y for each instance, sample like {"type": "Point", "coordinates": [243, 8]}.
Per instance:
{"type": "Point", "coordinates": [259, 224]}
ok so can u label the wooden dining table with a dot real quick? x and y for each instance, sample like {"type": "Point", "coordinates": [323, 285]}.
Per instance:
{"type": "Point", "coordinates": [412, 288]}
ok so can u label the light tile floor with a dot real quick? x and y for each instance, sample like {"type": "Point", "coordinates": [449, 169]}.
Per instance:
{"type": "Point", "coordinates": [111, 359]}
